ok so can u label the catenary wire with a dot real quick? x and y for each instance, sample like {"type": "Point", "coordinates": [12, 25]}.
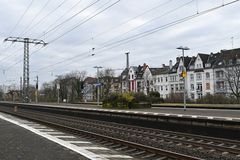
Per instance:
{"type": "Point", "coordinates": [148, 32]}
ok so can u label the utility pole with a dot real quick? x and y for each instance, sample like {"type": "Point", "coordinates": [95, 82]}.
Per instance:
{"type": "Point", "coordinates": [98, 85]}
{"type": "Point", "coordinates": [184, 73]}
{"type": "Point", "coordinates": [36, 91]}
{"type": "Point", "coordinates": [127, 67]}
{"type": "Point", "coordinates": [26, 42]}
{"type": "Point", "coordinates": [20, 90]}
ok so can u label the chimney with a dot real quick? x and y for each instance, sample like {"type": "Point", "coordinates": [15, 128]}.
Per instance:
{"type": "Point", "coordinates": [163, 66]}
{"type": "Point", "coordinates": [144, 66]}
{"type": "Point", "coordinates": [170, 64]}
{"type": "Point", "coordinates": [177, 59]}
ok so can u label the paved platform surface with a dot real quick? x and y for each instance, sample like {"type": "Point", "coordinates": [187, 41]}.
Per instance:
{"type": "Point", "coordinates": [17, 143]}
{"type": "Point", "coordinates": [168, 110]}
{"type": "Point", "coordinates": [202, 112]}
{"type": "Point", "coordinates": [27, 140]}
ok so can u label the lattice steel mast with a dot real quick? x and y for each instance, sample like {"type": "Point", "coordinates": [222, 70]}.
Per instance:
{"type": "Point", "coordinates": [26, 41]}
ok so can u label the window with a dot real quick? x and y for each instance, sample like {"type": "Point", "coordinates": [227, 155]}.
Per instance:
{"type": "Point", "coordinates": [199, 76]}
{"type": "Point", "coordinates": [192, 87]}
{"type": "Point", "coordinates": [199, 95]}
{"type": "Point", "coordinates": [207, 75]}
{"type": "Point", "coordinates": [192, 77]}
{"type": "Point", "coordinates": [176, 87]}
{"type": "Point", "coordinates": [207, 86]}
{"type": "Point", "coordinates": [181, 87]}
{"type": "Point", "coordinates": [220, 85]}
{"type": "Point", "coordinates": [161, 88]}
{"type": "Point", "coordinates": [158, 79]}
{"type": "Point", "coordinates": [166, 88]}
{"type": "Point", "coordinates": [192, 96]}
{"type": "Point", "coordinates": [199, 87]}
{"type": "Point", "coordinates": [161, 79]}
{"type": "Point", "coordinates": [132, 76]}
{"type": "Point", "coordinates": [166, 79]}
{"type": "Point", "coordinates": [181, 68]}
{"type": "Point", "coordinates": [219, 74]}
{"type": "Point", "coordinates": [172, 87]}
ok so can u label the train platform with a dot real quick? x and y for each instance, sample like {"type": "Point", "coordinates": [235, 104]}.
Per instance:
{"type": "Point", "coordinates": [169, 111]}
{"type": "Point", "coordinates": [22, 139]}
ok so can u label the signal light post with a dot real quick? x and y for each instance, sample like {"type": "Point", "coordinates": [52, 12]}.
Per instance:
{"type": "Point", "coordinates": [184, 74]}
{"type": "Point", "coordinates": [98, 85]}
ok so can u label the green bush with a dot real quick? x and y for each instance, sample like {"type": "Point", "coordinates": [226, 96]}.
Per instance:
{"type": "Point", "coordinates": [216, 99]}
{"type": "Point", "coordinates": [126, 101]}
{"type": "Point", "coordinates": [154, 94]}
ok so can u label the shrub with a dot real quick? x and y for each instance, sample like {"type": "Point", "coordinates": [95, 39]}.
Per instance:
{"type": "Point", "coordinates": [141, 97]}
{"type": "Point", "coordinates": [126, 100]}
{"type": "Point", "coordinates": [154, 94]}
{"type": "Point", "coordinates": [216, 99]}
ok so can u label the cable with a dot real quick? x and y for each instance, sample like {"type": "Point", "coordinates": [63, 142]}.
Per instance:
{"type": "Point", "coordinates": [64, 14]}
{"type": "Point", "coordinates": [70, 18]}
{"type": "Point", "coordinates": [35, 17]}
{"type": "Point", "coordinates": [160, 16]}
{"type": "Point", "coordinates": [20, 19]}
{"type": "Point", "coordinates": [121, 24]}
{"type": "Point", "coordinates": [46, 16]}
{"type": "Point", "coordinates": [84, 21]}
{"type": "Point", "coordinates": [79, 25]}
{"type": "Point", "coordinates": [149, 32]}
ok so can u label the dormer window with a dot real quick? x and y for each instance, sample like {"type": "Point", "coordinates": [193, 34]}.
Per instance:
{"type": "Point", "coordinates": [208, 65]}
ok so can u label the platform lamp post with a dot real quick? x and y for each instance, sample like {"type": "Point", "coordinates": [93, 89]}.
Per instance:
{"type": "Point", "coordinates": [184, 74]}
{"type": "Point", "coordinates": [98, 85]}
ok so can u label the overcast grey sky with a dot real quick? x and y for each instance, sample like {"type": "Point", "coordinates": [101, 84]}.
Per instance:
{"type": "Point", "coordinates": [49, 19]}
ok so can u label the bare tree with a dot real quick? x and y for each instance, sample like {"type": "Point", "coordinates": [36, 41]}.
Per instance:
{"type": "Point", "coordinates": [106, 78]}
{"type": "Point", "coordinates": [232, 75]}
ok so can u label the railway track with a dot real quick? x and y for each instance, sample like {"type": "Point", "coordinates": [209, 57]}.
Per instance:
{"type": "Point", "coordinates": [142, 142]}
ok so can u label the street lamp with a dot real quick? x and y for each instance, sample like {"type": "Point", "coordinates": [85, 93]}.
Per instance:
{"type": "Point", "coordinates": [98, 67]}
{"type": "Point", "coordinates": [184, 70]}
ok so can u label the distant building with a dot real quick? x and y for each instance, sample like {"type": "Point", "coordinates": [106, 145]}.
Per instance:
{"type": "Point", "coordinates": [206, 74]}
{"type": "Point", "coordinates": [89, 89]}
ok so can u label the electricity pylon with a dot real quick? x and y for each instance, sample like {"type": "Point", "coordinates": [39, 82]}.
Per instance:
{"type": "Point", "coordinates": [26, 42]}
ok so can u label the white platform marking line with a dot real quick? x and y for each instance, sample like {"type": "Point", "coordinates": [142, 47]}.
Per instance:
{"type": "Point", "coordinates": [209, 117]}
{"type": "Point", "coordinates": [64, 136]}
{"type": "Point", "coordinates": [53, 133]}
{"type": "Point", "coordinates": [75, 148]}
{"type": "Point", "coordinates": [79, 142]}
{"type": "Point", "coordinates": [46, 130]}
{"type": "Point", "coordinates": [114, 156]}
{"type": "Point", "coordinates": [95, 148]}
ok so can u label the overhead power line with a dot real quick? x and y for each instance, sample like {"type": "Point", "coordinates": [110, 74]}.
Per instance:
{"type": "Point", "coordinates": [70, 18]}
{"type": "Point", "coordinates": [146, 33]}
{"type": "Point", "coordinates": [91, 17]}
{"type": "Point", "coordinates": [43, 18]}
{"type": "Point", "coordinates": [35, 17]}
{"type": "Point", "coordinates": [21, 18]}
{"type": "Point", "coordinates": [64, 14]}
{"type": "Point", "coordinates": [86, 20]}
{"type": "Point", "coordinates": [129, 20]}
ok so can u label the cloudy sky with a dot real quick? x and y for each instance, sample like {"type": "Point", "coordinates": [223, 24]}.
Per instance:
{"type": "Point", "coordinates": [74, 27]}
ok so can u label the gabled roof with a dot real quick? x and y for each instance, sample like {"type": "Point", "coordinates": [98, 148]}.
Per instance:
{"type": "Point", "coordinates": [158, 71]}
{"type": "Point", "coordinates": [225, 56]}
{"type": "Point", "coordinates": [187, 60]}
{"type": "Point", "coordinates": [90, 80]}
{"type": "Point", "coordinates": [204, 58]}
